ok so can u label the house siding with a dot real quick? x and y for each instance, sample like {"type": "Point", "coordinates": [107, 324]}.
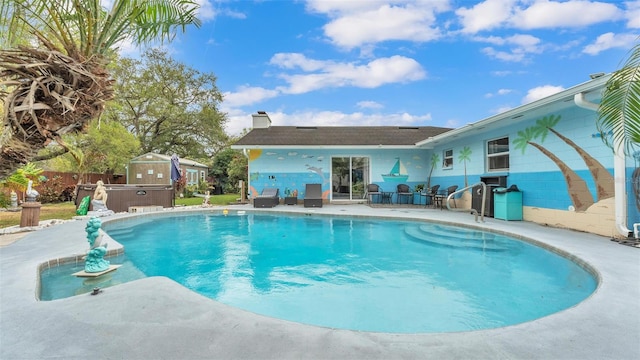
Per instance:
{"type": "Point", "coordinates": [154, 169]}
{"type": "Point", "coordinates": [552, 145]}
{"type": "Point", "coordinates": [546, 192]}
{"type": "Point", "coordinates": [291, 169]}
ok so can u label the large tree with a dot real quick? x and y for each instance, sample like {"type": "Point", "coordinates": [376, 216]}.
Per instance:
{"type": "Point", "coordinates": [53, 63]}
{"type": "Point", "coordinates": [168, 106]}
{"type": "Point", "coordinates": [106, 147]}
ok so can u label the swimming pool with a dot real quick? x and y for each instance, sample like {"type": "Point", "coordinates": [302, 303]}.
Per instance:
{"type": "Point", "coordinates": [355, 273]}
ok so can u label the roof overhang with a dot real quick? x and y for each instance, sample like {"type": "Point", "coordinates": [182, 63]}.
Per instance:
{"type": "Point", "coordinates": [332, 147]}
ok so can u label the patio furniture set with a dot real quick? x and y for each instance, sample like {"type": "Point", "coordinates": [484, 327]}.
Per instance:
{"type": "Point", "coordinates": [269, 197]}
{"type": "Point", "coordinates": [433, 196]}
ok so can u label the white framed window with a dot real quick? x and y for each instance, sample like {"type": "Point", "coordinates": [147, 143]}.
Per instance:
{"type": "Point", "coordinates": [498, 154]}
{"type": "Point", "coordinates": [192, 177]}
{"type": "Point", "coordinates": [447, 159]}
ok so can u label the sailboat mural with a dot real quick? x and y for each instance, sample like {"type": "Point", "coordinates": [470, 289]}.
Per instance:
{"type": "Point", "coordinates": [398, 172]}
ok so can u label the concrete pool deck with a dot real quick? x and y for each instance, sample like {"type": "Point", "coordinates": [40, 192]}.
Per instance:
{"type": "Point", "coordinates": [156, 318]}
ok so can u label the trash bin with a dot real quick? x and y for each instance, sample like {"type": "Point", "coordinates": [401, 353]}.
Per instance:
{"type": "Point", "coordinates": [507, 203]}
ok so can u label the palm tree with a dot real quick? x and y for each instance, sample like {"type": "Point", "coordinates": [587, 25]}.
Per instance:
{"type": "Point", "coordinates": [60, 82]}
{"type": "Point", "coordinates": [435, 160]}
{"type": "Point", "coordinates": [576, 186]}
{"type": "Point", "coordinates": [19, 180]}
{"type": "Point", "coordinates": [601, 176]}
{"type": "Point", "coordinates": [619, 110]}
{"type": "Point", "coordinates": [619, 113]}
{"type": "Point", "coordinates": [465, 155]}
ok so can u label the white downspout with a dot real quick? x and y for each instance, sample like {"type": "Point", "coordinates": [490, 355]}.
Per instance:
{"type": "Point", "coordinates": [619, 174]}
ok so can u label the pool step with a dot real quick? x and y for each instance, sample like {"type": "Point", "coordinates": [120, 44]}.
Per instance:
{"type": "Point", "coordinates": [467, 239]}
{"type": "Point", "coordinates": [457, 231]}
{"type": "Point", "coordinates": [121, 234]}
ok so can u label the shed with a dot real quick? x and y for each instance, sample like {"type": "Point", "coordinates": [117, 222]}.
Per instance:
{"type": "Point", "coordinates": [155, 169]}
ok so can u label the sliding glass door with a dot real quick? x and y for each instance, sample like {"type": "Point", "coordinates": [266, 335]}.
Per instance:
{"type": "Point", "coordinates": [349, 177]}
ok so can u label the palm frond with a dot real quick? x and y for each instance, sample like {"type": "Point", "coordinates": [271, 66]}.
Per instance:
{"type": "Point", "coordinates": [619, 111]}
{"type": "Point", "coordinates": [83, 28]}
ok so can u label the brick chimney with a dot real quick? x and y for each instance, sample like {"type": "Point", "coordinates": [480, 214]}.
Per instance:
{"type": "Point", "coordinates": [261, 120]}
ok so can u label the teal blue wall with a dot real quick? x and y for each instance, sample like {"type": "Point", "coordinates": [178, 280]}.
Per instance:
{"type": "Point", "coordinates": [291, 169]}
{"type": "Point", "coordinates": [534, 173]}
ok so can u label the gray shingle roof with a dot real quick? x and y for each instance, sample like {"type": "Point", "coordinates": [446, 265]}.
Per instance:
{"type": "Point", "coordinates": [338, 135]}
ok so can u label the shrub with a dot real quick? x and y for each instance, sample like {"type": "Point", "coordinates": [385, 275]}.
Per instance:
{"type": "Point", "coordinates": [189, 190]}
{"type": "Point", "coordinates": [5, 200]}
{"type": "Point", "coordinates": [51, 190]}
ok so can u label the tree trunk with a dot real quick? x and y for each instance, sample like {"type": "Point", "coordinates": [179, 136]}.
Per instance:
{"type": "Point", "coordinates": [50, 94]}
{"type": "Point", "coordinates": [577, 187]}
{"type": "Point", "coordinates": [601, 176]}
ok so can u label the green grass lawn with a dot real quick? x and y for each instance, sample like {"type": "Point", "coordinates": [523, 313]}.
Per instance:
{"type": "Point", "coordinates": [67, 210]}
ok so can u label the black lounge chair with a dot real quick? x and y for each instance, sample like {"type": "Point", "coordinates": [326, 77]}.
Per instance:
{"type": "Point", "coordinates": [268, 199]}
{"type": "Point", "coordinates": [313, 195]}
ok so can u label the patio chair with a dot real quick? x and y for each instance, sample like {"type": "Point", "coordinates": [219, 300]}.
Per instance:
{"type": "Point", "coordinates": [267, 199]}
{"type": "Point", "coordinates": [313, 195]}
{"type": "Point", "coordinates": [450, 190]}
{"type": "Point", "coordinates": [430, 195]}
{"type": "Point", "coordinates": [404, 191]}
{"type": "Point", "coordinates": [441, 198]}
{"type": "Point", "coordinates": [373, 190]}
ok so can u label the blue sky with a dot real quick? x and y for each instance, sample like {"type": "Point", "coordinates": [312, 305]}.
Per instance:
{"type": "Point", "coordinates": [430, 62]}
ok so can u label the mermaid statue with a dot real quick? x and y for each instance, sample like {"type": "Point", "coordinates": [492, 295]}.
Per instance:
{"type": "Point", "coordinates": [94, 261]}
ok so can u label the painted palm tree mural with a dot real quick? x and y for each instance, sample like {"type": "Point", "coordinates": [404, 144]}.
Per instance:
{"type": "Point", "coordinates": [601, 176]}
{"type": "Point", "coordinates": [464, 156]}
{"type": "Point", "coordinates": [579, 193]}
{"type": "Point", "coordinates": [435, 160]}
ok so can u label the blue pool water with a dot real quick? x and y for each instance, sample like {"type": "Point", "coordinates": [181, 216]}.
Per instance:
{"type": "Point", "coordinates": [351, 273]}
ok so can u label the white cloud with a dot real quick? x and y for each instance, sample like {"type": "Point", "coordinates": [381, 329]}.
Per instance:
{"type": "Point", "coordinates": [502, 109]}
{"type": "Point", "coordinates": [296, 60]}
{"type": "Point", "coordinates": [327, 74]}
{"type": "Point", "coordinates": [336, 118]}
{"type": "Point", "coordinates": [541, 92]}
{"type": "Point", "coordinates": [205, 11]}
{"type": "Point", "coordinates": [237, 121]}
{"type": "Point", "coordinates": [500, 92]}
{"type": "Point", "coordinates": [486, 15]}
{"type": "Point", "coordinates": [609, 41]}
{"type": "Point", "coordinates": [360, 23]}
{"type": "Point", "coordinates": [383, 24]}
{"type": "Point", "coordinates": [521, 44]}
{"type": "Point", "coordinates": [247, 95]}
{"type": "Point", "coordinates": [536, 14]}
{"type": "Point", "coordinates": [127, 49]}
{"type": "Point", "coordinates": [336, 8]}
{"type": "Point", "coordinates": [369, 105]}
{"type": "Point", "coordinates": [633, 14]}
{"type": "Point", "coordinates": [556, 14]}
{"type": "Point", "coordinates": [395, 69]}
{"type": "Point", "coordinates": [516, 55]}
